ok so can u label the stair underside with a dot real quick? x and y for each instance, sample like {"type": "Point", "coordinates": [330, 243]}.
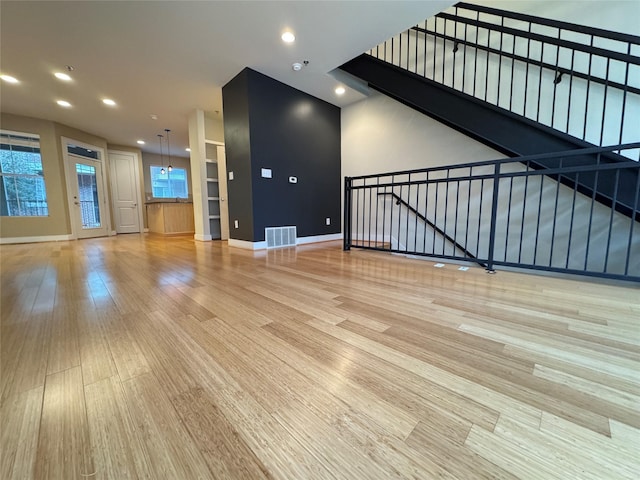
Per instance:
{"type": "Point", "coordinates": [509, 133]}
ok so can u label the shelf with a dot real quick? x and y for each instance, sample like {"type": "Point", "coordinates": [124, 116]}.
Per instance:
{"type": "Point", "coordinates": [213, 198]}
{"type": "Point", "coordinates": [210, 160]}
{"type": "Point", "coordinates": [214, 217]}
{"type": "Point", "coordinates": [212, 180]}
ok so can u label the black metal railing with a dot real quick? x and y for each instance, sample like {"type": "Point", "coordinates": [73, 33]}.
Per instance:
{"type": "Point", "coordinates": [508, 212]}
{"type": "Point", "coordinates": [580, 80]}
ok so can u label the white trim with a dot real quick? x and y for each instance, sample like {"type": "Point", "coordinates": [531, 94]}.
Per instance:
{"type": "Point", "coordinates": [202, 238]}
{"type": "Point", "coordinates": [319, 238]}
{"type": "Point", "coordinates": [145, 230]}
{"type": "Point", "coordinates": [104, 161]}
{"type": "Point", "coordinates": [247, 245]}
{"type": "Point", "coordinates": [43, 238]}
{"type": "Point", "coordinates": [299, 241]}
{"type": "Point", "coordinates": [113, 232]}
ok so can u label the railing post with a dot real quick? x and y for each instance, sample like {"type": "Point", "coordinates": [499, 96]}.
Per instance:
{"type": "Point", "coordinates": [346, 223]}
{"type": "Point", "coordinates": [494, 217]}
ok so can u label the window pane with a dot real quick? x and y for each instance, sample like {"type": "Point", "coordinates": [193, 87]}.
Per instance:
{"type": "Point", "coordinates": [23, 191]}
{"type": "Point", "coordinates": [170, 184]}
{"type": "Point", "coordinates": [88, 192]}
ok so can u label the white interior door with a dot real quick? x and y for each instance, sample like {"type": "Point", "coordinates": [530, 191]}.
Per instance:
{"type": "Point", "coordinates": [222, 188]}
{"type": "Point", "coordinates": [87, 199]}
{"type": "Point", "coordinates": [125, 190]}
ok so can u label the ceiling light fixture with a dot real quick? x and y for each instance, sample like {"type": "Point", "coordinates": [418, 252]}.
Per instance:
{"type": "Point", "coordinates": [168, 150]}
{"type": "Point", "coordinates": [62, 76]}
{"type": "Point", "coordinates": [340, 90]}
{"type": "Point", "coordinates": [9, 79]}
{"type": "Point", "coordinates": [108, 101]}
{"type": "Point", "coordinates": [140, 142]}
{"type": "Point", "coordinates": [63, 103]}
{"type": "Point", "coordinates": [288, 37]}
{"type": "Point", "coordinates": [162, 171]}
{"type": "Point", "coordinates": [296, 67]}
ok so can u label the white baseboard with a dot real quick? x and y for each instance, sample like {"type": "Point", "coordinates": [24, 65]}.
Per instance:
{"type": "Point", "coordinates": [299, 241]}
{"type": "Point", "coordinates": [145, 230]}
{"type": "Point", "coordinates": [43, 238]}
{"type": "Point", "coordinates": [247, 245]}
{"type": "Point", "coordinates": [202, 238]}
{"type": "Point", "coordinates": [113, 232]}
{"type": "Point", "coordinates": [319, 238]}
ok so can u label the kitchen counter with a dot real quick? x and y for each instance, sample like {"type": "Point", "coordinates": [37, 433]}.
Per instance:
{"type": "Point", "coordinates": [170, 217]}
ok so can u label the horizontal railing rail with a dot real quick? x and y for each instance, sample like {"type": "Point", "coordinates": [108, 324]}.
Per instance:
{"type": "Point", "coordinates": [503, 213]}
{"type": "Point", "coordinates": [579, 80]}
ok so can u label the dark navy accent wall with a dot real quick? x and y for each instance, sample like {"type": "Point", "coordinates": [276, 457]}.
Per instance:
{"type": "Point", "coordinates": [235, 104]}
{"type": "Point", "coordinates": [292, 134]}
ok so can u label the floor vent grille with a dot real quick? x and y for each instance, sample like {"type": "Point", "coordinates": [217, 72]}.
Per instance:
{"type": "Point", "coordinates": [278, 237]}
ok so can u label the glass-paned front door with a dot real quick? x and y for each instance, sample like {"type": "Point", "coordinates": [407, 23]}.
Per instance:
{"type": "Point", "coordinates": [88, 196]}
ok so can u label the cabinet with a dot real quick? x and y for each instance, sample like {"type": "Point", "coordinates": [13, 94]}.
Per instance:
{"type": "Point", "coordinates": [170, 218]}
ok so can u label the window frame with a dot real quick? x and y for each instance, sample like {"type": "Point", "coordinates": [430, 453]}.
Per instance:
{"type": "Point", "coordinates": [39, 186]}
{"type": "Point", "coordinates": [153, 175]}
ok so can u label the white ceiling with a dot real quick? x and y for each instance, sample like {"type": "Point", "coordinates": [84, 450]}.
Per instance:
{"type": "Point", "coordinates": [171, 57]}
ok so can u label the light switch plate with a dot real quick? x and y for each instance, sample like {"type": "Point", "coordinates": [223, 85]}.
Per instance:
{"type": "Point", "coordinates": [230, 175]}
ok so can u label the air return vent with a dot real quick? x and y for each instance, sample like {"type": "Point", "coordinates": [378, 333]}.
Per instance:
{"type": "Point", "coordinates": [280, 237]}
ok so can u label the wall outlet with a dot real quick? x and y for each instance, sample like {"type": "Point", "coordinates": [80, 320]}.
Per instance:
{"type": "Point", "coordinates": [235, 223]}
{"type": "Point", "coordinates": [230, 175]}
{"type": "Point", "coordinates": [327, 221]}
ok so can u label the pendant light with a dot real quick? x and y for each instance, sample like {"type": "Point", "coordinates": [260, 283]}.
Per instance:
{"type": "Point", "coordinates": [168, 150]}
{"type": "Point", "coordinates": [162, 170]}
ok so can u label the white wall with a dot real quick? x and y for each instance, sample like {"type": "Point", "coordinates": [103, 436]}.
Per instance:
{"type": "Point", "coordinates": [382, 135]}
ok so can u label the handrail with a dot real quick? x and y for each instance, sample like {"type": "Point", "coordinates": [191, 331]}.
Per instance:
{"type": "Point", "coordinates": [561, 79]}
{"type": "Point", "coordinates": [622, 37]}
{"type": "Point", "coordinates": [430, 223]}
{"type": "Point", "coordinates": [502, 161]}
{"type": "Point", "coordinates": [556, 68]}
{"type": "Point", "coordinates": [519, 218]}
{"type": "Point", "coordinates": [601, 52]}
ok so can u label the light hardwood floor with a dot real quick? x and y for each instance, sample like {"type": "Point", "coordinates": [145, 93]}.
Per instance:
{"type": "Point", "coordinates": [163, 358]}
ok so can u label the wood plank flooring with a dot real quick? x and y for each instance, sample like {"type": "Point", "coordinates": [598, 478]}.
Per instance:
{"type": "Point", "coordinates": [147, 357]}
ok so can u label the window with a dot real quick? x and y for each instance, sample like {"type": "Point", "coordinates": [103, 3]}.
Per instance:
{"type": "Point", "coordinates": [21, 178]}
{"type": "Point", "coordinates": [170, 184]}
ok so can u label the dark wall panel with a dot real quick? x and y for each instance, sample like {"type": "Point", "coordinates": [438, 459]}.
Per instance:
{"type": "Point", "coordinates": [235, 100]}
{"type": "Point", "coordinates": [268, 124]}
{"type": "Point", "coordinates": [294, 134]}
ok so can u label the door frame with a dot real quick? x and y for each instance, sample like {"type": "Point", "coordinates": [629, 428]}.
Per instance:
{"type": "Point", "coordinates": [136, 172]}
{"type": "Point", "coordinates": [70, 177]}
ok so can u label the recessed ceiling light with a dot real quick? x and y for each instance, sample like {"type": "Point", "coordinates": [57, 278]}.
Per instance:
{"type": "Point", "coordinates": [288, 37]}
{"type": "Point", "coordinates": [63, 103]}
{"type": "Point", "coordinates": [108, 101]}
{"type": "Point", "coordinates": [140, 142]}
{"type": "Point", "coordinates": [187, 149]}
{"type": "Point", "coordinates": [9, 78]}
{"type": "Point", "coordinates": [340, 91]}
{"type": "Point", "coordinates": [62, 76]}
{"type": "Point", "coordinates": [153, 116]}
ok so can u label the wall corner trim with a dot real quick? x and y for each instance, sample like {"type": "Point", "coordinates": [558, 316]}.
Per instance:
{"type": "Point", "coordinates": [202, 238]}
